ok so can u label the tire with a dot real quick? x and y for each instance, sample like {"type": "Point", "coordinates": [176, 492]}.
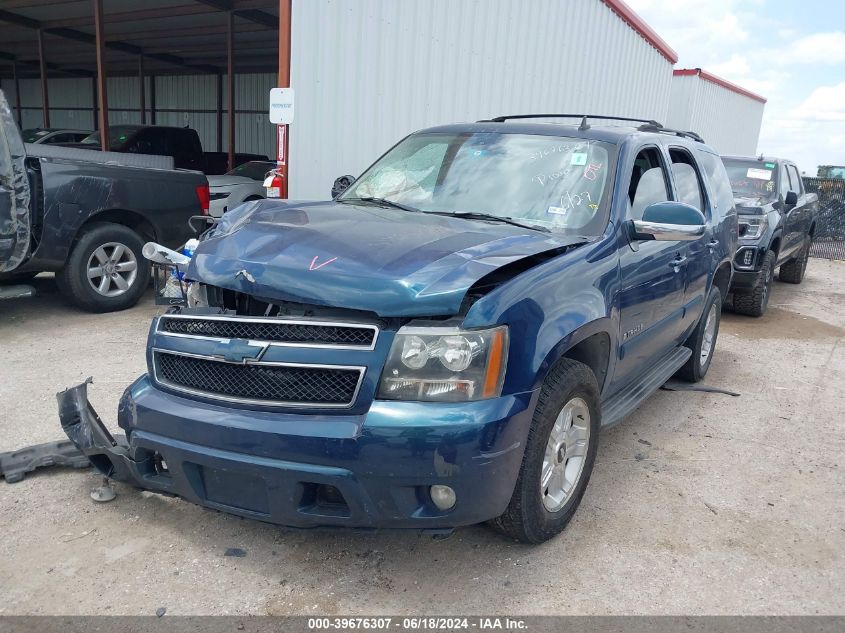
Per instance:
{"type": "Point", "coordinates": [98, 244]}
{"type": "Point", "coordinates": [755, 302]}
{"type": "Point", "coordinates": [569, 392]}
{"type": "Point", "coordinates": [792, 272]}
{"type": "Point", "coordinates": [703, 339]}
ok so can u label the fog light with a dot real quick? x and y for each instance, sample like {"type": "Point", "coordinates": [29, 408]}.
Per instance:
{"type": "Point", "coordinates": [443, 497]}
{"type": "Point", "coordinates": [748, 258]}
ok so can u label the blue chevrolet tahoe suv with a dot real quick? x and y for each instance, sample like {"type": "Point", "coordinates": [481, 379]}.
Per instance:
{"type": "Point", "coordinates": [439, 345]}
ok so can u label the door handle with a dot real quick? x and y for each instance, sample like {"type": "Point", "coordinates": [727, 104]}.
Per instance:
{"type": "Point", "coordinates": [712, 244]}
{"type": "Point", "coordinates": [677, 262]}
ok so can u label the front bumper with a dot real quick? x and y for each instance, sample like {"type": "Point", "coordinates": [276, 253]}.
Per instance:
{"type": "Point", "coordinates": [366, 471]}
{"type": "Point", "coordinates": [746, 264]}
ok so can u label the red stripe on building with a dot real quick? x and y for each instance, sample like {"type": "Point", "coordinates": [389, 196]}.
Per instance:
{"type": "Point", "coordinates": [636, 22]}
{"type": "Point", "coordinates": [724, 83]}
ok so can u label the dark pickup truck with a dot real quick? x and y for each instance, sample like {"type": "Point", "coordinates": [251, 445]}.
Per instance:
{"type": "Point", "coordinates": [443, 342]}
{"type": "Point", "coordinates": [180, 143]}
{"type": "Point", "coordinates": [86, 216]}
{"type": "Point", "coordinates": [777, 221]}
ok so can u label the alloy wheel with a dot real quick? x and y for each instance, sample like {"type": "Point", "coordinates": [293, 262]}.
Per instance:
{"type": "Point", "coordinates": [111, 269]}
{"type": "Point", "coordinates": [566, 454]}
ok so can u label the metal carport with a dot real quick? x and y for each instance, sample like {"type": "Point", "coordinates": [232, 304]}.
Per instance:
{"type": "Point", "coordinates": [99, 60]}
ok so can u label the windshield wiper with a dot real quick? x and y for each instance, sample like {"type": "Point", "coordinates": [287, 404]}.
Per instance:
{"type": "Point", "coordinates": [384, 202]}
{"type": "Point", "coordinates": [473, 215]}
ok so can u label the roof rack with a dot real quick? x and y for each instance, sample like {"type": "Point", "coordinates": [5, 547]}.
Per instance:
{"type": "Point", "coordinates": [648, 125]}
{"type": "Point", "coordinates": [584, 125]}
{"type": "Point", "coordinates": [667, 130]}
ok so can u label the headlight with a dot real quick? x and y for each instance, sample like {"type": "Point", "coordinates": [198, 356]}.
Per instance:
{"type": "Point", "coordinates": [445, 364]}
{"type": "Point", "coordinates": [752, 226]}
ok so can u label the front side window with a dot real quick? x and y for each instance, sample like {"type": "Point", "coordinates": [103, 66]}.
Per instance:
{"type": "Point", "coordinates": [785, 184]}
{"type": "Point", "coordinates": [687, 183]}
{"type": "Point", "coordinates": [753, 178]}
{"type": "Point", "coordinates": [648, 183]}
{"type": "Point", "coordinates": [561, 183]}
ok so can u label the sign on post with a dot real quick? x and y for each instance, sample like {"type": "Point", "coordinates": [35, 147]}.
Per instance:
{"type": "Point", "coordinates": [281, 106]}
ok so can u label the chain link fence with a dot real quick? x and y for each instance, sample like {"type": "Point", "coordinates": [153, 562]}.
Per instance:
{"type": "Point", "coordinates": [829, 239]}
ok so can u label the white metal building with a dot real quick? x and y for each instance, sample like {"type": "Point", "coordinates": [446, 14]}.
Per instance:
{"type": "Point", "coordinates": [368, 72]}
{"type": "Point", "coordinates": [726, 115]}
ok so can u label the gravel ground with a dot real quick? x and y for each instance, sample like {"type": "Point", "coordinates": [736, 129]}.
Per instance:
{"type": "Point", "coordinates": [699, 503]}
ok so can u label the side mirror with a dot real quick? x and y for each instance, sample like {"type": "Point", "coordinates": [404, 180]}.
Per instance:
{"type": "Point", "coordinates": [342, 184]}
{"type": "Point", "coordinates": [669, 221]}
{"type": "Point", "coordinates": [791, 199]}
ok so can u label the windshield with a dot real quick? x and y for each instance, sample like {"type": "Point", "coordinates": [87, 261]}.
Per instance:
{"type": "Point", "coordinates": [118, 135]}
{"type": "Point", "coordinates": [254, 169]}
{"type": "Point", "coordinates": [558, 182]}
{"type": "Point", "coordinates": [752, 178]}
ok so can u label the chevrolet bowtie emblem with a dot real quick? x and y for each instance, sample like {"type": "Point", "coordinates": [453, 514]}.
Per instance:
{"type": "Point", "coordinates": [239, 351]}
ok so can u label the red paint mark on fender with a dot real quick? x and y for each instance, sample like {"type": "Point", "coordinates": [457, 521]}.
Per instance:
{"type": "Point", "coordinates": [315, 266]}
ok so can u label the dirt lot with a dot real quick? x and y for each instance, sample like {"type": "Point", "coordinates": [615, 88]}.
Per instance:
{"type": "Point", "coordinates": [699, 503]}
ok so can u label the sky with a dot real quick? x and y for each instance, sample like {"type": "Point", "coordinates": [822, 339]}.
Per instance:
{"type": "Point", "coordinates": [792, 52]}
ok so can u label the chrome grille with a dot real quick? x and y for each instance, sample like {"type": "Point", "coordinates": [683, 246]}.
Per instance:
{"type": "Point", "coordinates": [274, 384]}
{"type": "Point", "coordinates": [275, 331]}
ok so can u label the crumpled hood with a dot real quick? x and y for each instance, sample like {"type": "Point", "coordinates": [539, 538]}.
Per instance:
{"type": "Point", "coordinates": [387, 261]}
{"type": "Point", "coordinates": [753, 205]}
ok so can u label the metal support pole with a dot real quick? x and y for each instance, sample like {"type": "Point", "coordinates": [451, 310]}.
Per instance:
{"type": "Point", "coordinates": [153, 99]}
{"type": "Point", "coordinates": [219, 112]}
{"type": "Point", "coordinates": [101, 75]}
{"type": "Point", "coordinates": [143, 88]}
{"type": "Point", "coordinates": [284, 82]}
{"type": "Point", "coordinates": [45, 100]}
{"type": "Point", "coordinates": [17, 94]}
{"type": "Point", "coordinates": [230, 79]}
{"type": "Point", "coordinates": [94, 112]}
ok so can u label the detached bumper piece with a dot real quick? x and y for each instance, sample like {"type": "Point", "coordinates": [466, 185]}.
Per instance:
{"type": "Point", "coordinates": [15, 464]}
{"type": "Point", "coordinates": [89, 435]}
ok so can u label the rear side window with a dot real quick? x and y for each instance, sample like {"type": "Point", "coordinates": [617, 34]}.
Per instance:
{"type": "Point", "coordinates": [720, 184]}
{"type": "Point", "coordinates": [797, 184]}
{"type": "Point", "coordinates": [687, 182]}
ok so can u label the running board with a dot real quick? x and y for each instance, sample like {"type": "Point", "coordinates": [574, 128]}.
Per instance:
{"type": "Point", "coordinates": [624, 402]}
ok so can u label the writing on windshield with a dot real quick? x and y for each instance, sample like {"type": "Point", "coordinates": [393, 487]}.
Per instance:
{"type": "Point", "coordinates": [553, 181]}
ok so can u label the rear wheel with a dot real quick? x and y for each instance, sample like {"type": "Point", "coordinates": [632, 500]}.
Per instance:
{"type": "Point", "coordinates": [792, 272]}
{"type": "Point", "coordinates": [702, 341]}
{"type": "Point", "coordinates": [106, 270]}
{"type": "Point", "coordinates": [755, 302]}
{"type": "Point", "coordinates": [559, 455]}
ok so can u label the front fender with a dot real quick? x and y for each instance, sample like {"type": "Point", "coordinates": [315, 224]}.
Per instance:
{"type": "Point", "coordinates": [550, 308]}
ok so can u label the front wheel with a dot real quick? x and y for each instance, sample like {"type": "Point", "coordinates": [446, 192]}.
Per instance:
{"type": "Point", "coordinates": [106, 270]}
{"type": "Point", "coordinates": [559, 455]}
{"type": "Point", "coordinates": [755, 302]}
{"type": "Point", "coordinates": [792, 272]}
{"type": "Point", "coordinates": [702, 341]}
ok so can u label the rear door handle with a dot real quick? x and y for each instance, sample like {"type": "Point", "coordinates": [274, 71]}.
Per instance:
{"type": "Point", "coordinates": [712, 244]}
